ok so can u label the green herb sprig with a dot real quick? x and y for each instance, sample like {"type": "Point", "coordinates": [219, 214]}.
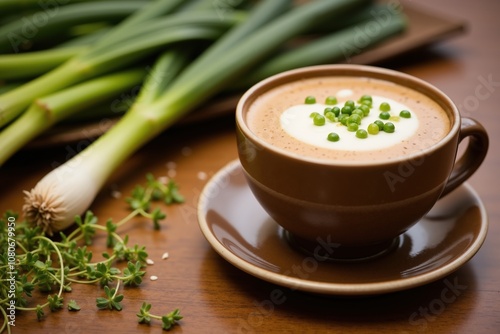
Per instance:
{"type": "Point", "coordinates": [167, 320]}
{"type": "Point", "coordinates": [54, 267]}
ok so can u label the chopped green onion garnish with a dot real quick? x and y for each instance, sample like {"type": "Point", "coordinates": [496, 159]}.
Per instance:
{"type": "Point", "coordinates": [365, 98]}
{"type": "Point", "coordinates": [354, 119]}
{"type": "Point", "coordinates": [331, 116]}
{"type": "Point", "coordinates": [310, 100]}
{"type": "Point", "coordinates": [380, 124]}
{"type": "Point", "coordinates": [349, 103]}
{"type": "Point", "coordinates": [389, 127]}
{"type": "Point", "coordinates": [384, 115]}
{"type": "Point", "coordinates": [367, 103]}
{"type": "Point", "coordinates": [405, 114]}
{"type": "Point", "coordinates": [331, 100]}
{"type": "Point", "coordinates": [352, 127]}
{"type": "Point", "coordinates": [346, 110]}
{"type": "Point", "coordinates": [365, 109]}
{"type": "Point", "coordinates": [361, 134]}
{"type": "Point", "coordinates": [373, 128]}
{"type": "Point", "coordinates": [384, 106]}
{"type": "Point", "coordinates": [319, 120]}
{"type": "Point", "coordinates": [333, 137]}
{"type": "Point", "coordinates": [336, 111]}
{"type": "Point", "coordinates": [358, 112]}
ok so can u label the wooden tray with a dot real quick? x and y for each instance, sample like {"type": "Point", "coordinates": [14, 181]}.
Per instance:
{"type": "Point", "coordinates": [424, 28]}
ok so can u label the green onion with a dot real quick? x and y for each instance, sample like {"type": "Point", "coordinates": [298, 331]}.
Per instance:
{"type": "Point", "coordinates": [354, 119]}
{"type": "Point", "coordinates": [337, 46]}
{"type": "Point", "coordinates": [32, 64]}
{"type": "Point", "coordinates": [143, 122]}
{"type": "Point", "coordinates": [331, 100]}
{"type": "Point", "coordinates": [365, 98]}
{"type": "Point", "coordinates": [405, 114]}
{"type": "Point", "coordinates": [365, 109]}
{"type": "Point", "coordinates": [367, 103]}
{"type": "Point", "coordinates": [352, 127]}
{"type": "Point", "coordinates": [310, 100]}
{"type": "Point", "coordinates": [384, 106]}
{"type": "Point", "coordinates": [213, 71]}
{"type": "Point", "coordinates": [358, 112]}
{"type": "Point", "coordinates": [319, 120]}
{"type": "Point", "coordinates": [333, 136]}
{"type": "Point", "coordinates": [114, 55]}
{"type": "Point", "coordinates": [373, 128]}
{"type": "Point", "coordinates": [350, 103]}
{"type": "Point", "coordinates": [343, 119]}
{"type": "Point", "coordinates": [347, 110]}
{"type": "Point", "coordinates": [53, 108]}
{"type": "Point", "coordinates": [331, 116]}
{"type": "Point", "coordinates": [385, 115]}
{"type": "Point", "coordinates": [362, 134]}
{"type": "Point", "coordinates": [336, 111]}
{"type": "Point", "coordinates": [12, 35]}
{"type": "Point", "coordinates": [389, 127]}
{"type": "Point", "coordinates": [380, 124]}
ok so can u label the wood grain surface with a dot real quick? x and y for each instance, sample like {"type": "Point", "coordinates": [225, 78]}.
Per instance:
{"type": "Point", "coordinates": [216, 297]}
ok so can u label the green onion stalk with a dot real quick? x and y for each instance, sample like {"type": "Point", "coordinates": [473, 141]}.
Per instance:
{"type": "Point", "coordinates": [57, 21]}
{"type": "Point", "coordinates": [32, 64]}
{"type": "Point", "coordinates": [339, 46]}
{"type": "Point", "coordinates": [46, 111]}
{"type": "Point", "coordinates": [32, 122]}
{"type": "Point", "coordinates": [99, 58]}
{"type": "Point", "coordinates": [70, 189]}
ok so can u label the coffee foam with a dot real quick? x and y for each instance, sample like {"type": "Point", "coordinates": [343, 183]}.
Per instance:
{"type": "Point", "coordinates": [265, 115]}
{"type": "Point", "coordinates": [296, 121]}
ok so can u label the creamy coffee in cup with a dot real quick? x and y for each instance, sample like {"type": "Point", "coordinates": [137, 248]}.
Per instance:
{"type": "Point", "coordinates": [282, 118]}
{"type": "Point", "coordinates": [356, 191]}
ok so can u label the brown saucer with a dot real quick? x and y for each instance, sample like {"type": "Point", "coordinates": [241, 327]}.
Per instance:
{"type": "Point", "coordinates": [239, 230]}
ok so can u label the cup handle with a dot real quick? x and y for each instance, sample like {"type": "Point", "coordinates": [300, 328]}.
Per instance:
{"type": "Point", "coordinates": [473, 156]}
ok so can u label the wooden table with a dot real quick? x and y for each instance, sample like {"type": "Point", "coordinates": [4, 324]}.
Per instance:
{"type": "Point", "coordinates": [216, 297]}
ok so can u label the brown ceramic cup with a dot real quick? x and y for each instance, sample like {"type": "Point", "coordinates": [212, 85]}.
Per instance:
{"type": "Point", "coordinates": [315, 200]}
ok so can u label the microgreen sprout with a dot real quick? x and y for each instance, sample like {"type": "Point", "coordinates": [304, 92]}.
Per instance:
{"type": "Point", "coordinates": [73, 305]}
{"type": "Point", "coordinates": [58, 266]}
{"type": "Point", "coordinates": [168, 320]}
{"type": "Point", "coordinates": [112, 299]}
